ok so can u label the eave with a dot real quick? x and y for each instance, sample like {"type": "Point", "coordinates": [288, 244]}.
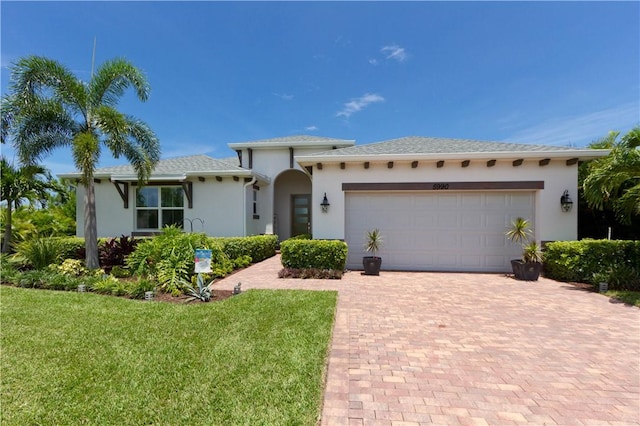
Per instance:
{"type": "Point", "coordinates": [581, 155]}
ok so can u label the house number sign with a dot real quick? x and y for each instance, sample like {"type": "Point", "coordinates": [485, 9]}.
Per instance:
{"type": "Point", "coordinates": [440, 186]}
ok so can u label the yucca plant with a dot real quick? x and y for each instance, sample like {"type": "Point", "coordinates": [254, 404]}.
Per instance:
{"type": "Point", "coordinates": [373, 242]}
{"type": "Point", "coordinates": [203, 292]}
{"type": "Point", "coordinates": [529, 267]}
{"type": "Point", "coordinates": [520, 231]}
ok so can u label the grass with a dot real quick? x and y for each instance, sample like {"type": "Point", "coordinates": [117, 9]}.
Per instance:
{"type": "Point", "coordinates": [80, 358]}
{"type": "Point", "coordinates": [628, 297]}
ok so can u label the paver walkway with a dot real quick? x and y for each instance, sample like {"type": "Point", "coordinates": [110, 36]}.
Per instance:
{"type": "Point", "coordinates": [453, 348]}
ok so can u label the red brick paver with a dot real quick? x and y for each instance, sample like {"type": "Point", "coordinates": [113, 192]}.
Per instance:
{"type": "Point", "coordinates": [471, 349]}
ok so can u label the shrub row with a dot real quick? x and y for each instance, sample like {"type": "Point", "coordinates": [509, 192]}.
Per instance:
{"type": "Point", "coordinates": [314, 254]}
{"type": "Point", "coordinates": [615, 261]}
{"type": "Point", "coordinates": [51, 280]}
{"type": "Point", "coordinates": [259, 247]}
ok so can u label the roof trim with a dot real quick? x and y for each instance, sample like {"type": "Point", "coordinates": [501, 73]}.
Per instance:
{"type": "Point", "coordinates": [583, 154]}
{"type": "Point", "coordinates": [286, 144]}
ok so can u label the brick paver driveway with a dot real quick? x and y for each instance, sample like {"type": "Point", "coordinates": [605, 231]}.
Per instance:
{"type": "Point", "coordinates": [425, 348]}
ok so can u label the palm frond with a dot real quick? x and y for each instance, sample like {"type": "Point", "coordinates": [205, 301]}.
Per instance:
{"type": "Point", "coordinates": [41, 128]}
{"type": "Point", "coordinates": [141, 149]}
{"type": "Point", "coordinates": [112, 79]}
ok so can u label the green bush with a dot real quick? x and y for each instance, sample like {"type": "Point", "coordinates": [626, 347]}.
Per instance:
{"type": "Point", "coordinates": [314, 254]}
{"type": "Point", "coordinates": [136, 289]}
{"type": "Point", "coordinates": [258, 247]}
{"type": "Point", "coordinates": [169, 258]}
{"type": "Point", "coordinates": [39, 253]}
{"type": "Point", "coordinates": [242, 262]}
{"type": "Point", "coordinates": [593, 260]}
{"type": "Point", "coordinates": [71, 247]}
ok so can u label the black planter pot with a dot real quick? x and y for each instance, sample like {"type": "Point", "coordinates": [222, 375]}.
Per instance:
{"type": "Point", "coordinates": [526, 271]}
{"type": "Point", "coordinates": [371, 265]}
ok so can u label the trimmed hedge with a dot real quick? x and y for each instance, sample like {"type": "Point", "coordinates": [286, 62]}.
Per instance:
{"type": "Point", "coordinates": [258, 247]}
{"type": "Point", "coordinates": [318, 254]}
{"type": "Point", "coordinates": [616, 261]}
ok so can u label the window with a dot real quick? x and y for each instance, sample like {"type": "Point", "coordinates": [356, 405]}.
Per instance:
{"type": "Point", "coordinates": [255, 202]}
{"type": "Point", "coordinates": [159, 206]}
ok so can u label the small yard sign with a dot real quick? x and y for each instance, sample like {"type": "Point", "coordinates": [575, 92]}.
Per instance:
{"type": "Point", "coordinates": [203, 261]}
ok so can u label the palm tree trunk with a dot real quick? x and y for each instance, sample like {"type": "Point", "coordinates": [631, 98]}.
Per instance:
{"type": "Point", "coordinates": [7, 229]}
{"type": "Point", "coordinates": [90, 227]}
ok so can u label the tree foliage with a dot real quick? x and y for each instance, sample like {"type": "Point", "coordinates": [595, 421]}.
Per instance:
{"type": "Point", "coordinates": [19, 184]}
{"type": "Point", "coordinates": [48, 107]}
{"type": "Point", "coordinates": [614, 180]}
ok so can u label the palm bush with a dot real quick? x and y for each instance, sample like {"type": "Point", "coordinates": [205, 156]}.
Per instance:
{"type": "Point", "coordinates": [40, 252]}
{"type": "Point", "coordinates": [169, 258]}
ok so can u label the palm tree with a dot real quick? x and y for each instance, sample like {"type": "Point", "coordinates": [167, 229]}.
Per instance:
{"type": "Point", "coordinates": [51, 108]}
{"type": "Point", "coordinates": [17, 184]}
{"type": "Point", "coordinates": [615, 179]}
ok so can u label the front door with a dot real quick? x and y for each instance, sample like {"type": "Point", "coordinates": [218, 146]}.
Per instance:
{"type": "Point", "coordinates": [300, 214]}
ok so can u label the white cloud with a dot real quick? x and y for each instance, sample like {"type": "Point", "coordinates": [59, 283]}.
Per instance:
{"type": "Point", "coordinates": [311, 128]}
{"type": "Point", "coordinates": [355, 105]}
{"type": "Point", "coordinates": [580, 130]}
{"type": "Point", "coordinates": [393, 51]}
{"type": "Point", "coordinates": [284, 96]}
{"type": "Point", "coordinates": [373, 61]}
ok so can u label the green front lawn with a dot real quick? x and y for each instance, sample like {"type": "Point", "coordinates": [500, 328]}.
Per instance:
{"type": "Point", "coordinates": [628, 297]}
{"type": "Point", "coordinates": [81, 358]}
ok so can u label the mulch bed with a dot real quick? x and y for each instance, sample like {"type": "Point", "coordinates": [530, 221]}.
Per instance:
{"type": "Point", "coordinates": [219, 295]}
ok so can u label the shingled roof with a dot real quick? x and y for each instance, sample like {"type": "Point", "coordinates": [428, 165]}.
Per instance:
{"type": "Point", "coordinates": [188, 165]}
{"type": "Point", "coordinates": [295, 140]}
{"type": "Point", "coordinates": [418, 146]}
{"type": "Point", "coordinates": [427, 145]}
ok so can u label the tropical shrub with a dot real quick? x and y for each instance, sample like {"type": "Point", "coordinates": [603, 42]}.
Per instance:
{"type": "Point", "coordinates": [114, 251]}
{"type": "Point", "coordinates": [258, 247]}
{"type": "Point", "coordinates": [305, 273]}
{"type": "Point", "coordinates": [137, 288]}
{"type": "Point", "coordinates": [120, 272]}
{"type": "Point", "coordinates": [70, 267]}
{"type": "Point", "coordinates": [317, 254]}
{"type": "Point", "coordinates": [39, 253]}
{"type": "Point", "coordinates": [242, 262]}
{"type": "Point", "coordinates": [614, 261]}
{"type": "Point", "coordinates": [169, 258]}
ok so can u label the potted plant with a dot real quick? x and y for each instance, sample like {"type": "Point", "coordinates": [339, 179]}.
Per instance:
{"type": "Point", "coordinates": [528, 268]}
{"type": "Point", "coordinates": [372, 263]}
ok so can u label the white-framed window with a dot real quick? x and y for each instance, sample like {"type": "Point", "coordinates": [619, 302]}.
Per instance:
{"type": "Point", "coordinates": [159, 206]}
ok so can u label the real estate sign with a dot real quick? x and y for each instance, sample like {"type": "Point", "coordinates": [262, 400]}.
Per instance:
{"type": "Point", "coordinates": [203, 261]}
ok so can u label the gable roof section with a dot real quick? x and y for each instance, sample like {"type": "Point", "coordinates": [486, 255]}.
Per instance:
{"type": "Point", "coordinates": [176, 169]}
{"type": "Point", "coordinates": [296, 141]}
{"type": "Point", "coordinates": [417, 147]}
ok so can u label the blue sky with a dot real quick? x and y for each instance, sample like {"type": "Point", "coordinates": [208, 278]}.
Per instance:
{"type": "Point", "coordinates": [530, 72]}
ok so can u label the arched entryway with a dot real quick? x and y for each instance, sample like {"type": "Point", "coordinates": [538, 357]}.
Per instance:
{"type": "Point", "coordinates": [292, 204]}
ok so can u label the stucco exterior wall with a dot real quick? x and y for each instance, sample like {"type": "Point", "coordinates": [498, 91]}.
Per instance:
{"type": "Point", "coordinates": [218, 204]}
{"type": "Point", "coordinates": [551, 223]}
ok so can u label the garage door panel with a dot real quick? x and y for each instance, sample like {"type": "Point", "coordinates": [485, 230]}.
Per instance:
{"type": "Point", "coordinates": [461, 231]}
{"type": "Point", "coordinates": [448, 219]}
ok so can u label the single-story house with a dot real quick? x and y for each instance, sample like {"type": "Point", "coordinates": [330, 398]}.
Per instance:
{"type": "Point", "coordinates": [440, 204]}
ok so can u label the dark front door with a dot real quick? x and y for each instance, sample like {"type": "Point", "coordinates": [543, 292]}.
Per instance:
{"type": "Point", "coordinates": [300, 214]}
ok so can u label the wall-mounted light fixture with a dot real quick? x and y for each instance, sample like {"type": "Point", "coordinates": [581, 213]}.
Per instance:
{"type": "Point", "coordinates": [565, 201]}
{"type": "Point", "coordinates": [325, 204]}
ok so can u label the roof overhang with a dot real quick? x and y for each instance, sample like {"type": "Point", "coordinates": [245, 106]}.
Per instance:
{"type": "Point", "coordinates": [182, 177]}
{"type": "Point", "coordinates": [290, 144]}
{"type": "Point", "coordinates": [582, 155]}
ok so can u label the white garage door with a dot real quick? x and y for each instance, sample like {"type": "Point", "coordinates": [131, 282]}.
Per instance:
{"type": "Point", "coordinates": [443, 231]}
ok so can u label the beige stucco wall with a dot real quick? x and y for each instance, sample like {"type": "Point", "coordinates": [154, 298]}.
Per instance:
{"type": "Point", "coordinates": [218, 204]}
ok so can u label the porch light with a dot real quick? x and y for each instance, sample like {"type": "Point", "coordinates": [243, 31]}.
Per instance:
{"type": "Point", "coordinates": [565, 201]}
{"type": "Point", "coordinates": [325, 204]}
